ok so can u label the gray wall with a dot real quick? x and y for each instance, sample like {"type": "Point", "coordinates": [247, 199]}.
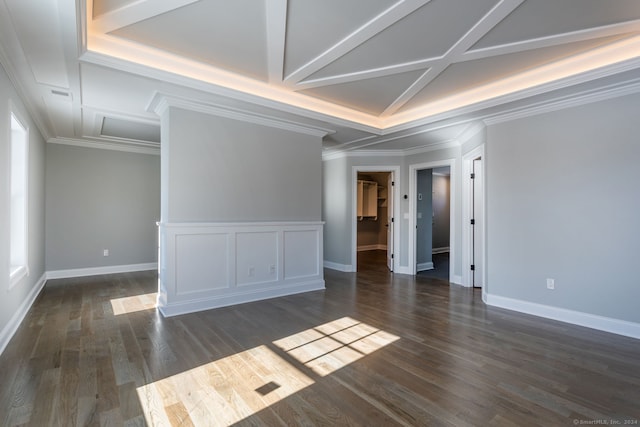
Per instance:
{"type": "Point", "coordinates": [336, 211]}
{"type": "Point", "coordinates": [563, 202]}
{"type": "Point", "coordinates": [12, 299]}
{"type": "Point", "coordinates": [224, 170]}
{"type": "Point", "coordinates": [441, 211]}
{"type": "Point", "coordinates": [100, 199]}
{"type": "Point", "coordinates": [424, 217]}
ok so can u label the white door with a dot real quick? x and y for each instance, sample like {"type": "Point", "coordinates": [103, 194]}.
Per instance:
{"type": "Point", "coordinates": [476, 223]}
{"type": "Point", "coordinates": [390, 221]}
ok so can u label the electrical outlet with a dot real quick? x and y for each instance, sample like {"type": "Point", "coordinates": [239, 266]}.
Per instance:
{"type": "Point", "coordinates": [551, 284]}
{"type": "Point", "coordinates": [251, 271]}
{"type": "Point", "coordinates": [272, 269]}
{"type": "Point", "coordinates": [105, 252]}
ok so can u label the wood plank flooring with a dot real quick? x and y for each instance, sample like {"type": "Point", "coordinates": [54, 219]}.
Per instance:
{"type": "Point", "coordinates": [373, 349]}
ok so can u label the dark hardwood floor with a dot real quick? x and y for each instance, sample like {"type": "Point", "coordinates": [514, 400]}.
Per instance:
{"type": "Point", "coordinates": [373, 349]}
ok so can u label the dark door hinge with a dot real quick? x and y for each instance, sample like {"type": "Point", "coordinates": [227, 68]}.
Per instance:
{"type": "Point", "coordinates": [473, 267]}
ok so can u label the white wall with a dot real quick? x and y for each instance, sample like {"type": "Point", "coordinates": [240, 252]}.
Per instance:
{"type": "Point", "coordinates": [16, 301]}
{"type": "Point", "coordinates": [563, 202]}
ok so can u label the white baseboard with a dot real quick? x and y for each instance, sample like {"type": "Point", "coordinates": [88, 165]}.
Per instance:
{"type": "Point", "coordinates": [424, 266]}
{"type": "Point", "coordinates": [403, 270]}
{"type": "Point", "coordinates": [10, 329]}
{"type": "Point", "coordinates": [93, 271]}
{"type": "Point", "coordinates": [607, 324]}
{"type": "Point", "coordinates": [456, 280]}
{"type": "Point", "coordinates": [378, 247]}
{"type": "Point", "coordinates": [185, 307]}
{"type": "Point", "coordinates": [346, 268]}
{"type": "Point", "coordinates": [440, 250]}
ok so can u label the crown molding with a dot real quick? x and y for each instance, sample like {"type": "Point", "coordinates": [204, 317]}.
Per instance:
{"type": "Point", "coordinates": [110, 144]}
{"type": "Point", "coordinates": [560, 103]}
{"type": "Point", "coordinates": [161, 102]}
{"type": "Point", "coordinates": [446, 108]}
{"type": "Point", "coordinates": [162, 66]}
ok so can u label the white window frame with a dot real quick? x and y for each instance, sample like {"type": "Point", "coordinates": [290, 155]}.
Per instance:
{"type": "Point", "coordinates": [18, 262]}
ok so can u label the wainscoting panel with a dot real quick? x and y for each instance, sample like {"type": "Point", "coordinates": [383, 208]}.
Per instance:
{"type": "Point", "coordinates": [209, 265]}
{"type": "Point", "coordinates": [256, 258]}
{"type": "Point", "coordinates": [302, 253]}
{"type": "Point", "coordinates": [201, 262]}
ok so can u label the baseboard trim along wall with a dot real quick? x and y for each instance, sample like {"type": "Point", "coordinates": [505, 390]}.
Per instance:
{"type": "Point", "coordinates": [423, 266]}
{"type": "Point", "coordinates": [11, 327]}
{"type": "Point", "coordinates": [345, 268]}
{"type": "Point", "coordinates": [378, 247]}
{"type": "Point", "coordinates": [606, 324]}
{"type": "Point", "coordinates": [210, 265]}
{"type": "Point", "coordinates": [94, 271]}
{"type": "Point", "coordinates": [440, 250]}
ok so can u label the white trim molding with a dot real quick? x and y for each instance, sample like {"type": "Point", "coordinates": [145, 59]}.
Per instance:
{"type": "Point", "coordinates": [424, 266]}
{"type": "Point", "coordinates": [593, 321]}
{"type": "Point", "coordinates": [95, 271]}
{"type": "Point", "coordinates": [377, 247]}
{"type": "Point", "coordinates": [345, 268]}
{"type": "Point", "coordinates": [10, 329]}
{"type": "Point", "coordinates": [210, 265]}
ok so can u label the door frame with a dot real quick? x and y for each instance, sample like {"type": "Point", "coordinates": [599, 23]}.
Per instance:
{"type": "Point", "coordinates": [413, 195]}
{"type": "Point", "coordinates": [395, 173]}
{"type": "Point", "coordinates": [467, 202]}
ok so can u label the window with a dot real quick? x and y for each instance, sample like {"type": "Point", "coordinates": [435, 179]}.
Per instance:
{"type": "Point", "coordinates": [18, 217]}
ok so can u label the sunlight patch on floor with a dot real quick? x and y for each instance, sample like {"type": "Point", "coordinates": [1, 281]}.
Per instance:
{"type": "Point", "coordinates": [134, 303]}
{"type": "Point", "coordinates": [238, 386]}
{"type": "Point", "coordinates": [222, 392]}
{"type": "Point", "coordinates": [334, 345]}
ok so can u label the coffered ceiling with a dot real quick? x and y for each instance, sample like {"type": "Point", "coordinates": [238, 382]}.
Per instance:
{"type": "Point", "coordinates": [365, 72]}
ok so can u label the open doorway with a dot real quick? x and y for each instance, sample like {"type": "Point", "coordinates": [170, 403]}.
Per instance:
{"type": "Point", "coordinates": [433, 222]}
{"type": "Point", "coordinates": [445, 171]}
{"type": "Point", "coordinates": [374, 236]}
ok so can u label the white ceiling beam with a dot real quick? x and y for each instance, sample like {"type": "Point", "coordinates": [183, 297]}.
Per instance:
{"type": "Point", "coordinates": [276, 11]}
{"type": "Point", "coordinates": [376, 25]}
{"type": "Point", "coordinates": [621, 29]}
{"type": "Point", "coordinates": [482, 27]}
{"type": "Point", "coordinates": [132, 13]}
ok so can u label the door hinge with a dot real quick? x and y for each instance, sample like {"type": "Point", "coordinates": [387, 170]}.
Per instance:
{"type": "Point", "coordinates": [473, 176]}
{"type": "Point", "coordinates": [391, 256]}
{"type": "Point", "coordinates": [473, 221]}
{"type": "Point", "coordinates": [393, 183]}
{"type": "Point", "coordinates": [392, 219]}
{"type": "Point", "coordinates": [473, 267]}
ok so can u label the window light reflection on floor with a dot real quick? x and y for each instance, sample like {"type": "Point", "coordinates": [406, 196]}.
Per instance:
{"type": "Point", "coordinates": [238, 386]}
{"type": "Point", "coordinates": [134, 303]}
{"type": "Point", "coordinates": [329, 347]}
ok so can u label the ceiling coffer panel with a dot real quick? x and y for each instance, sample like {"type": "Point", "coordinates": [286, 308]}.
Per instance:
{"type": "Point", "coordinates": [230, 35]}
{"type": "Point", "coordinates": [544, 18]}
{"type": "Point", "coordinates": [371, 96]}
{"type": "Point", "coordinates": [429, 32]}
{"type": "Point", "coordinates": [468, 75]}
{"type": "Point", "coordinates": [126, 129]}
{"type": "Point", "coordinates": [315, 26]}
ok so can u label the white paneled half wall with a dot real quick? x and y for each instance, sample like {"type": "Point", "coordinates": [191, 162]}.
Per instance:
{"type": "Point", "coordinates": [209, 265]}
